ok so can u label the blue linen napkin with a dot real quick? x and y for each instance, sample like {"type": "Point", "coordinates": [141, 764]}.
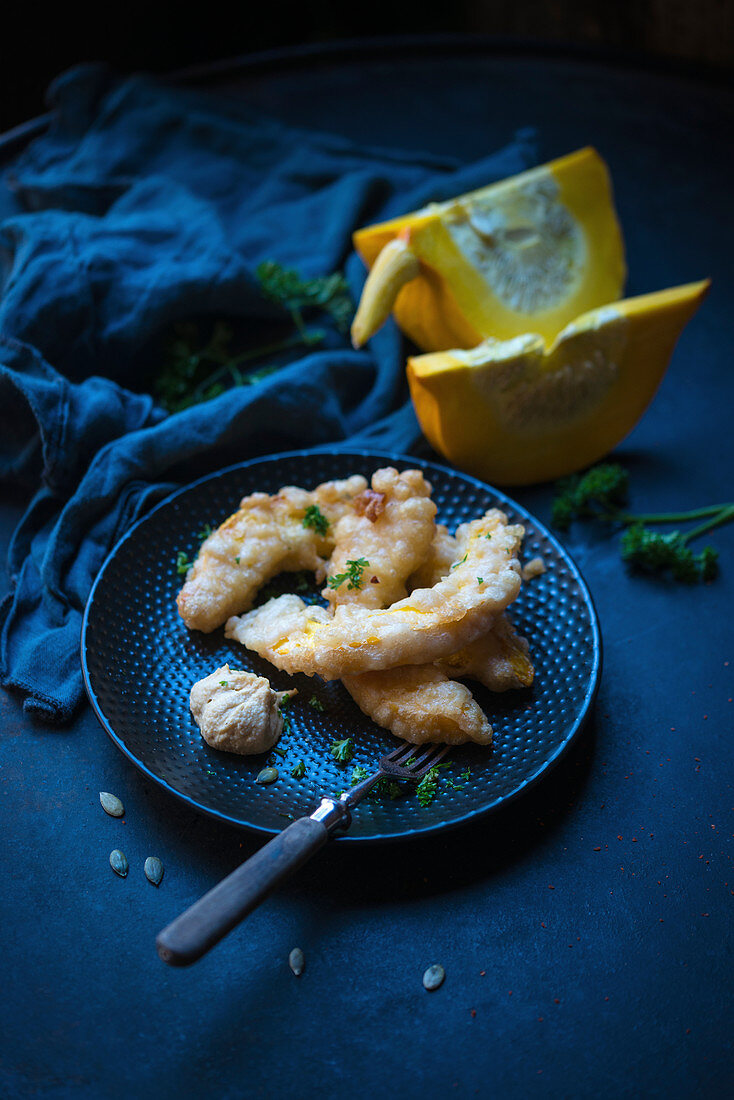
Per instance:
{"type": "Point", "coordinates": [142, 206]}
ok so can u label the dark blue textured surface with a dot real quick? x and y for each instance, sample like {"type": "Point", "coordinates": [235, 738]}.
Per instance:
{"type": "Point", "coordinates": [606, 973]}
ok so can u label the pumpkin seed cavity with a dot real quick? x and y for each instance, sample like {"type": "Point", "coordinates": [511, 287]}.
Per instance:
{"type": "Point", "coordinates": [111, 804]}
{"type": "Point", "coordinates": [153, 870]}
{"type": "Point", "coordinates": [118, 862]}
{"type": "Point", "coordinates": [527, 395]}
{"type": "Point", "coordinates": [523, 241]}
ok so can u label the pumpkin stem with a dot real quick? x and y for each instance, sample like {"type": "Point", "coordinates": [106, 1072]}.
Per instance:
{"type": "Point", "coordinates": [395, 266]}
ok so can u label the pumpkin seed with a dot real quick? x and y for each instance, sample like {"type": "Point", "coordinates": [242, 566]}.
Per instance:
{"type": "Point", "coordinates": [267, 775]}
{"type": "Point", "coordinates": [153, 870]}
{"type": "Point", "coordinates": [118, 862]}
{"type": "Point", "coordinates": [297, 961]}
{"type": "Point", "coordinates": [111, 804]}
{"type": "Point", "coordinates": [433, 977]}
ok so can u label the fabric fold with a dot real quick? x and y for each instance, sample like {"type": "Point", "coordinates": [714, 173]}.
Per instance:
{"type": "Point", "coordinates": [143, 206]}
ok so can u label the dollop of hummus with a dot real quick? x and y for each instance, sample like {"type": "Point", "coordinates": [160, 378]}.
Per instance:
{"type": "Point", "coordinates": [237, 711]}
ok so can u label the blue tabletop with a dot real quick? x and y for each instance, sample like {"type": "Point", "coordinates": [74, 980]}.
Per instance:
{"type": "Point", "coordinates": [585, 931]}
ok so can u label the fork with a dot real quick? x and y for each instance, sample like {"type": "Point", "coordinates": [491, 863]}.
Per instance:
{"type": "Point", "coordinates": [210, 918]}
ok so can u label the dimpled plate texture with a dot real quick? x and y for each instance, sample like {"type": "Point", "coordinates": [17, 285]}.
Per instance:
{"type": "Point", "coordinates": [140, 661]}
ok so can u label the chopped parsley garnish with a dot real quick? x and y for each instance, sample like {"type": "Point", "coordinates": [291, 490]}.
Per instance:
{"type": "Point", "coordinates": [480, 580]}
{"type": "Point", "coordinates": [183, 561]}
{"type": "Point", "coordinates": [299, 770]}
{"type": "Point", "coordinates": [224, 683]}
{"type": "Point", "coordinates": [353, 575]}
{"type": "Point", "coordinates": [237, 559]}
{"type": "Point", "coordinates": [316, 704]}
{"type": "Point", "coordinates": [316, 520]}
{"type": "Point", "coordinates": [342, 751]}
{"type": "Point", "coordinates": [384, 787]}
{"type": "Point", "coordinates": [281, 707]}
{"type": "Point", "coordinates": [183, 564]}
{"type": "Point", "coordinates": [458, 563]}
{"type": "Point", "coordinates": [428, 787]}
{"type": "Point", "coordinates": [458, 786]}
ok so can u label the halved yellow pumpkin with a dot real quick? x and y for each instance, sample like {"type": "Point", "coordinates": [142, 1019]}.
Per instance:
{"type": "Point", "coordinates": [513, 412]}
{"type": "Point", "coordinates": [528, 254]}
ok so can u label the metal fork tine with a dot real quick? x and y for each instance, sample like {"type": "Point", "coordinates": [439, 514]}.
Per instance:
{"type": "Point", "coordinates": [400, 754]}
{"type": "Point", "coordinates": [434, 757]}
{"type": "Point", "coordinates": [422, 759]}
{"type": "Point", "coordinates": [411, 762]}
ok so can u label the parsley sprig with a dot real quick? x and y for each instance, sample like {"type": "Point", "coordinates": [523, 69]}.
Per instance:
{"type": "Point", "coordinates": [200, 361]}
{"type": "Point", "coordinates": [599, 493]}
{"type": "Point", "coordinates": [328, 293]}
{"type": "Point", "coordinates": [602, 493]}
{"type": "Point", "coordinates": [355, 569]}
{"type": "Point", "coordinates": [655, 552]}
{"type": "Point", "coordinates": [198, 368]}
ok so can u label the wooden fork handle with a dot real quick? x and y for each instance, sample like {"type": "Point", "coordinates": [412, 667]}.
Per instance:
{"type": "Point", "coordinates": [210, 918]}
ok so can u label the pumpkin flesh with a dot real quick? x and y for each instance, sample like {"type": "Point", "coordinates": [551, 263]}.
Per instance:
{"type": "Point", "coordinates": [527, 254]}
{"type": "Point", "coordinates": [518, 411]}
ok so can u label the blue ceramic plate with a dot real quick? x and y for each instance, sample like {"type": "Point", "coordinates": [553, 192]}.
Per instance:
{"type": "Point", "coordinates": [139, 662]}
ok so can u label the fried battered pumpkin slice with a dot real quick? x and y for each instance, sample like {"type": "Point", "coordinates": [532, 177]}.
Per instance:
{"type": "Point", "coordinates": [442, 554]}
{"type": "Point", "coordinates": [427, 625]}
{"type": "Point", "coordinates": [499, 659]}
{"type": "Point", "coordinates": [389, 530]}
{"type": "Point", "coordinates": [392, 531]}
{"type": "Point", "coordinates": [421, 704]}
{"type": "Point", "coordinates": [292, 530]}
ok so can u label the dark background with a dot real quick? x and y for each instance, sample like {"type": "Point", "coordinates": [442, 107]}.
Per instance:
{"type": "Point", "coordinates": [39, 42]}
{"type": "Point", "coordinates": [586, 932]}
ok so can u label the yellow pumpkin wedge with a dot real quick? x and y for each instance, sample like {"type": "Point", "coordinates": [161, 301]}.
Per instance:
{"type": "Point", "coordinates": [528, 254]}
{"type": "Point", "coordinates": [514, 412]}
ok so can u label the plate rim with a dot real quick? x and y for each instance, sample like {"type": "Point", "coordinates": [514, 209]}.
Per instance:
{"type": "Point", "coordinates": [470, 816]}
